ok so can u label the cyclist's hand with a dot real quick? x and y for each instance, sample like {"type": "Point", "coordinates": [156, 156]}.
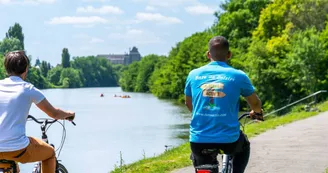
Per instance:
{"type": "Point", "coordinates": [70, 115]}
{"type": "Point", "coordinates": [256, 115]}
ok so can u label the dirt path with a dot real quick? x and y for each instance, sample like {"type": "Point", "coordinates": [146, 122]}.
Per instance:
{"type": "Point", "coordinates": [299, 147]}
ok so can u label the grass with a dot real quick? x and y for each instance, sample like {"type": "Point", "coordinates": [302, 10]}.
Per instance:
{"type": "Point", "coordinates": [179, 157]}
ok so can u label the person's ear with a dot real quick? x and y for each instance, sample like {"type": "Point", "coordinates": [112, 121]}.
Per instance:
{"type": "Point", "coordinates": [229, 55]}
{"type": "Point", "coordinates": [208, 55]}
{"type": "Point", "coordinates": [24, 75]}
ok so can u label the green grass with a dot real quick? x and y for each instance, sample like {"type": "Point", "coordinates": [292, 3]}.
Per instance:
{"type": "Point", "coordinates": [179, 157]}
{"type": "Point", "coordinates": [327, 170]}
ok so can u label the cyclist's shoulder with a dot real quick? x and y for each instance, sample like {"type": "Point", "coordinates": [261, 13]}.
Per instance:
{"type": "Point", "coordinates": [238, 72]}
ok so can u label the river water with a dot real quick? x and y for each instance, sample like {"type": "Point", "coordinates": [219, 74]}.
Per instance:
{"type": "Point", "coordinates": [138, 126]}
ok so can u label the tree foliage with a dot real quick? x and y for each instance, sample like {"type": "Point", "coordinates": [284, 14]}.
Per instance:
{"type": "Point", "coordinates": [10, 44]}
{"type": "Point", "coordinates": [16, 31]}
{"type": "Point", "coordinates": [65, 58]}
{"type": "Point", "coordinates": [282, 45]}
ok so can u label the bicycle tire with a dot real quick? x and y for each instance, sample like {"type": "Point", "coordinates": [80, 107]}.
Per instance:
{"type": "Point", "coordinates": [61, 168]}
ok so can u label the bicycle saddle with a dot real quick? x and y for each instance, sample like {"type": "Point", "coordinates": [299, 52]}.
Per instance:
{"type": "Point", "coordinates": [207, 166]}
{"type": "Point", "coordinates": [8, 166]}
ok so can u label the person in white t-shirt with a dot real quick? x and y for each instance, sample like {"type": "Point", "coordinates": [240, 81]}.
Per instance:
{"type": "Point", "coordinates": [16, 97]}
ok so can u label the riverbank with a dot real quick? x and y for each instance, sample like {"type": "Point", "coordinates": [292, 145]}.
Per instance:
{"type": "Point", "coordinates": [179, 157]}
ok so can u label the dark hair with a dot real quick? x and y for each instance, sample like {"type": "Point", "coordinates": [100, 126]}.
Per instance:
{"type": "Point", "coordinates": [218, 47]}
{"type": "Point", "coordinates": [16, 62]}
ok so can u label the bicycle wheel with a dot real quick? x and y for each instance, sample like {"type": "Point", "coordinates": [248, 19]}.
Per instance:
{"type": "Point", "coordinates": [61, 168]}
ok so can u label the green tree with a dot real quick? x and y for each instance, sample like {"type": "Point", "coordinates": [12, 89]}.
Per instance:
{"type": "Point", "coordinates": [37, 79]}
{"type": "Point", "coordinates": [146, 68]}
{"type": "Point", "coordinates": [306, 63]}
{"type": "Point", "coordinates": [10, 44]}
{"type": "Point", "coordinates": [2, 68]}
{"type": "Point", "coordinates": [95, 72]}
{"type": "Point", "coordinates": [128, 79]}
{"type": "Point", "coordinates": [71, 77]}
{"type": "Point", "coordinates": [37, 62]}
{"type": "Point", "coordinates": [65, 58]}
{"type": "Point", "coordinates": [44, 68]}
{"type": "Point", "coordinates": [53, 75]}
{"type": "Point", "coordinates": [16, 31]}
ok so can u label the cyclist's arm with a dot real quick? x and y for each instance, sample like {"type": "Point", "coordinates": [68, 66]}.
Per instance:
{"type": "Point", "coordinates": [254, 102]}
{"type": "Point", "coordinates": [188, 103]}
{"type": "Point", "coordinates": [53, 112]}
{"type": "Point", "coordinates": [188, 94]}
{"type": "Point", "coordinates": [248, 91]}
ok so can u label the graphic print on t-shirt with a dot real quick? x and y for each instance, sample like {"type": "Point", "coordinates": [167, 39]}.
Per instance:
{"type": "Point", "coordinates": [212, 90]}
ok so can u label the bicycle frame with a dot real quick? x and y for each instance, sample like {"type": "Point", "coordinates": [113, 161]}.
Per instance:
{"type": "Point", "coordinates": [43, 127]}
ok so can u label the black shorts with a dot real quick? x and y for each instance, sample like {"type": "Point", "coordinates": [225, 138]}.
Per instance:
{"type": "Point", "coordinates": [206, 153]}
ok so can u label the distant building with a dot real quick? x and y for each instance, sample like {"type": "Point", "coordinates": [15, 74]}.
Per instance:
{"type": "Point", "coordinates": [125, 59]}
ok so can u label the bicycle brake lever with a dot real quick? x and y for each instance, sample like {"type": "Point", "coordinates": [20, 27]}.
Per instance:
{"type": "Point", "coordinates": [73, 123]}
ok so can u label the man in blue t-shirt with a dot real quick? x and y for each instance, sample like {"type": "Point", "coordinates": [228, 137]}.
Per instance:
{"type": "Point", "coordinates": [212, 95]}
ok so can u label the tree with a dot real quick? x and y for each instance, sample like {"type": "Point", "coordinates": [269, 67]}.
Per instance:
{"type": "Point", "coordinates": [10, 44]}
{"type": "Point", "coordinates": [44, 68]}
{"type": "Point", "coordinates": [2, 68]}
{"type": "Point", "coordinates": [16, 31]}
{"type": "Point", "coordinates": [65, 58]}
{"type": "Point", "coordinates": [71, 77]}
{"type": "Point", "coordinates": [37, 62]}
{"type": "Point", "coordinates": [53, 75]}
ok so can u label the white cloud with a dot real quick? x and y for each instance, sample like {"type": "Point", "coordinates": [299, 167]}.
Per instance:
{"type": "Point", "coordinates": [102, 10]}
{"type": "Point", "coordinates": [77, 20]}
{"type": "Point", "coordinates": [5, 1]}
{"type": "Point", "coordinates": [200, 9]}
{"type": "Point", "coordinates": [150, 8]}
{"type": "Point", "coordinates": [23, 2]}
{"type": "Point", "coordinates": [137, 36]}
{"type": "Point", "coordinates": [96, 40]}
{"type": "Point", "coordinates": [167, 3]}
{"type": "Point", "coordinates": [157, 17]}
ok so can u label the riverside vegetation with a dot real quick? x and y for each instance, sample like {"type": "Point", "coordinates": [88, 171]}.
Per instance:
{"type": "Point", "coordinates": [282, 46]}
{"type": "Point", "coordinates": [79, 72]}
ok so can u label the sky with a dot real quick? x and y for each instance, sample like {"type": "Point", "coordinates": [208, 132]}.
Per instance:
{"type": "Point", "coordinates": [92, 27]}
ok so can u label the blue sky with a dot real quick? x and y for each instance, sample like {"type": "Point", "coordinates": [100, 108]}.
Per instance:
{"type": "Point", "coordinates": [91, 27]}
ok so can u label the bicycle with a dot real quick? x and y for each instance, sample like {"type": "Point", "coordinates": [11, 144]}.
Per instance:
{"type": "Point", "coordinates": [9, 166]}
{"type": "Point", "coordinates": [227, 163]}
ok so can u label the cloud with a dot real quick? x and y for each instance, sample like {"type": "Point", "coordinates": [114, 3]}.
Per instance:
{"type": "Point", "coordinates": [77, 20]}
{"type": "Point", "coordinates": [150, 8]}
{"type": "Point", "coordinates": [96, 40]}
{"type": "Point", "coordinates": [23, 2]}
{"type": "Point", "coordinates": [102, 10]}
{"type": "Point", "coordinates": [157, 17]}
{"type": "Point", "coordinates": [200, 9]}
{"type": "Point", "coordinates": [137, 36]}
{"type": "Point", "coordinates": [167, 3]}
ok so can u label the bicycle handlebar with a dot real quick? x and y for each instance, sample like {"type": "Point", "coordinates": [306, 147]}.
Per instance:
{"type": "Point", "coordinates": [47, 120]}
{"type": "Point", "coordinates": [40, 122]}
{"type": "Point", "coordinates": [244, 115]}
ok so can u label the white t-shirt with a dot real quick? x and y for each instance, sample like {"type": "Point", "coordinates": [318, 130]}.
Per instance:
{"type": "Point", "coordinates": [16, 97]}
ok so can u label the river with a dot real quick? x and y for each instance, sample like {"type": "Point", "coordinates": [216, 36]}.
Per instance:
{"type": "Point", "coordinates": [105, 126]}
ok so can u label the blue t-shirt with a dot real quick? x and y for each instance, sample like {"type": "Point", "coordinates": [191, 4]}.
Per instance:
{"type": "Point", "coordinates": [215, 90]}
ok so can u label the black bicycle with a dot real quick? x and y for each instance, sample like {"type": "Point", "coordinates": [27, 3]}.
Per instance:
{"type": "Point", "coordinates": [8, 166]}
{"type": "Point", "coordinates": [227, 163]}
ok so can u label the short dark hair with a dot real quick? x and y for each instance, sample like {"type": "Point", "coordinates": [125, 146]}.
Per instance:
{"type": "Point", "coordinates": [218, 47]}
{"type": "Point", "coordinates": [16, 62]}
